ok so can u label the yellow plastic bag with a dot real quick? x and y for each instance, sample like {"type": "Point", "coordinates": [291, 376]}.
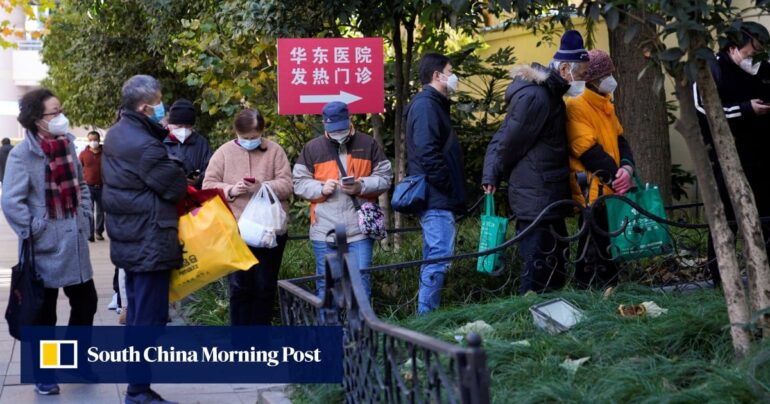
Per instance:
{"type": "Point", "coordinates": [212, 248]}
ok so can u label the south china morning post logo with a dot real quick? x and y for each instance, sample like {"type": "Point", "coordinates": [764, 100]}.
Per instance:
{"type": "Point", "coordinates": [58, 354]}
{"type": "Point", "coordinates": [202, 354]}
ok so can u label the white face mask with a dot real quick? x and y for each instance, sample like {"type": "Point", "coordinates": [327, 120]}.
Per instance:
{"type": "Point", "coordinates": [181, 133]}
{"type": "Point", "coordinates": [608, 85]}
{"type": "Point", "coordinates": [59, 125]}
{"type": "Point", "coordinates": [452, 83]}
{"type": "Point", "coordinates": [745, 63]}
{"type": "Point", "coordinates": [576, 87]}
{"type": "Point", "coordinates": [340, 136]}
{"type": "Point", "coordinates": [93, 144]}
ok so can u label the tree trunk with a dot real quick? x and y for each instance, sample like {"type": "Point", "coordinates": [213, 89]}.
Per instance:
{"type": "Point", "coordinates": [641, 109]}
{"type": "Point", "coordinates": [741, 195]}
{"type": "Point", "coordinates": [384, 200]}
{"type": "Point", "coordinates": [724, 241]}
{"type": "Point", "coordinates": [398, 143]}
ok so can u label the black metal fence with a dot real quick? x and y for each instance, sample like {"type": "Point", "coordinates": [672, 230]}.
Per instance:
{"type": "Point", "coordinates": [388, 363]}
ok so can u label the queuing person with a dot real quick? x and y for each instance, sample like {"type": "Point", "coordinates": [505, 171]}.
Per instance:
{"type": "Point", "coordinates": [433, 150]}
{"type": "Point", "coordinates": [744, 88]}
{"type": "Point", "coordinates": [600, 153]}
{"type": "Point", "coordinates": [240, 167]}
{"type": "Point", "coordinates": [319, 179]}
{"type": "Point", "coordinates": [91, 159]}
{"type": "Point", "coordinates": [185, 143]}
{"type": "Point", "coordinates": [45, 198]}
{"type": "Point", "coordinates": [5, 149]}
{"type": "Point", "coordinates": [530, 151]}
{"type": "Point", "coordinates": [142, 185]}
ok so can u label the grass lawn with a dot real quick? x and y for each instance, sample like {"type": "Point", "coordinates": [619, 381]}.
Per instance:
{"type": "Point", "coordinates": [683, 356]}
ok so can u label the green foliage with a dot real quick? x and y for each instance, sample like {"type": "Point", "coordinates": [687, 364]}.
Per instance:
{"type": "Point", "coordinates": [480, 108]}
{"type": "Point", "coordinates": [93, 47]}
{"type": "Point", "coordinates": [680, 180]}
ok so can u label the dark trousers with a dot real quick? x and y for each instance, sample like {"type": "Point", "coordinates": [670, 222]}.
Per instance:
{"type": "Point", "coordinates": [147, 295]}
{"type": "Point", "coordinates": [543, 256]}
{"type": "Point", "coordinates": [116, 286]}
{"type": "Point", "coordinates": [594, 266]}
{"type": "Point", "coordinates": [252, 292]}
{"type": "Point", "coordinates": [82, 298]}
{"type": "Point", "coordinates": [97, 220]}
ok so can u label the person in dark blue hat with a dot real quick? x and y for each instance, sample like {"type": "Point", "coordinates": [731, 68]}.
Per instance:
{"type": "Point", "coordinates": [337, 173]}
{"type": "Point", "coordinates": [530, 151]}
{"type": "Point", "coordinates": [185, 143]}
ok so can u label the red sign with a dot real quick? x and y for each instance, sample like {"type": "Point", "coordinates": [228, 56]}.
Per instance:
{"type": "Point", "coordinates": [315, 71]}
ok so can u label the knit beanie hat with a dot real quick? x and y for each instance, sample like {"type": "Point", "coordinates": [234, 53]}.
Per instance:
{"type": "Point", "coordinates": [182, 112]}
{"type": "Point", "coordinates": [600, 65]}
{"type": "Point", "coordinates": [571, 48]}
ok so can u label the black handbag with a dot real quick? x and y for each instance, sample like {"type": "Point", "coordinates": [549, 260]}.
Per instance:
{"type": "Point", "coordinates": [25, 302]}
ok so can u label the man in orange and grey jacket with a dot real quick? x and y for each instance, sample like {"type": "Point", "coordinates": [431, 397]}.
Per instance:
{"type": "Point", "coordinates": [318, 178]}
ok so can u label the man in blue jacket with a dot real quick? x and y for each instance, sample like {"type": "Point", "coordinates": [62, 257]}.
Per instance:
{"type": "Point", "coordinates": [433, 150]}
{"type": "Point", "coordinates": [142, 185]}
{"type": "Point", "coordinates": [530, 151]}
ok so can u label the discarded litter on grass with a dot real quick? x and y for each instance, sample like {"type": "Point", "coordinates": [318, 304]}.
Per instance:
{"type": "Point", "coordinates": [479, 326]}
{"type": "Point", "coordinates": [572, 365]}
{"type": "Point", "coordinates": [649, 309]}
{"type": "Point", "coordinates": [556, 315]}
{"type": "Point", "coordinates": [522, 343]}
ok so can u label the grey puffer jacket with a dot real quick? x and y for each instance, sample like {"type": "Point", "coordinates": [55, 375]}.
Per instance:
{"type": "Point", "coordinates": [61, 246]}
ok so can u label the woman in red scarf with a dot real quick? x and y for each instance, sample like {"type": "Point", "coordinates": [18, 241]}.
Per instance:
{"type": "Point", "coordinates": [45, 198]}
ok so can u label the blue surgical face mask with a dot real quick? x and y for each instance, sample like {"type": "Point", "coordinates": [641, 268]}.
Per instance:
{"type": "Point", "coordinates": [158, 112]}
{"type": "Point", "coordinates": [249, 144]}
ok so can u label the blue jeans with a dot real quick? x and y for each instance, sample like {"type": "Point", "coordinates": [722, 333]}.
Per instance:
{"type": "Point", "coordinates": [360, 251]}
{"type": "Point", "coordinates": [438, 240]}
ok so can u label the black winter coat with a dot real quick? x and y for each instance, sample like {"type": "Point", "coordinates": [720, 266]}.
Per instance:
{"type": "Point", "coordinates": [195, 154]}
{"type": "Point", "coordinates": [433, 150]}
{"type": "Point", "coordinates": [142, 184]}
{"type": "Point", "coordinates": [530, 149]}
{"type": "Point", "coordinates": [736, 90]}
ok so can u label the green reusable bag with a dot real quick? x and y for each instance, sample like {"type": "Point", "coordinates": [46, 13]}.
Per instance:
{"type": "Point", "coordinates": [492, 235]}
{"type": "Point", "coordinates": [643, 236]}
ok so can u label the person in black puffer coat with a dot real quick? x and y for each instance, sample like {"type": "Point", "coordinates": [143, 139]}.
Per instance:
{"type": "Point", "coordinates": [530, 151]}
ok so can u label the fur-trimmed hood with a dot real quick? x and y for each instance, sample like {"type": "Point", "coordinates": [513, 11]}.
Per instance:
{"type": "Point", "coordinates": [536, 75]}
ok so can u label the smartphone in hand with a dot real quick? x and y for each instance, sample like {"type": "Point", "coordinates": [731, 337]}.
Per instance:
{"type": "Point", "coordinates": [194, 174]}
{"type": "Point", "coordinates": [250, 179]}
{"type": "Point", "coordinates": [349, 180]}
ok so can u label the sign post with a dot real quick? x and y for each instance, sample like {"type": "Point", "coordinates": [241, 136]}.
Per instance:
{"type": "Point", "coordinates": [315, 71]}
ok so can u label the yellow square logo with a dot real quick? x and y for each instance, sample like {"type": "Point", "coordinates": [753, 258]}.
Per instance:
{"type": "Point", "coordinates": [58, 354]}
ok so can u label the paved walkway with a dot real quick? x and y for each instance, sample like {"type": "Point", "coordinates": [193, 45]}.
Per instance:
{"type": "Point", "coordinates": [13, 392]}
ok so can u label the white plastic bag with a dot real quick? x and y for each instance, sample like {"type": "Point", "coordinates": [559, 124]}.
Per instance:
{"type": "Point", "coordinates": [263, 219]}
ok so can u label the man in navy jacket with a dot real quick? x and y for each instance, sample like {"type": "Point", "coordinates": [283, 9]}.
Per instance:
{"type": "Point", "coordinates": [433, 150]}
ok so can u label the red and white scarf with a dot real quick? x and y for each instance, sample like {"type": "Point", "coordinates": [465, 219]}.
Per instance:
{"type": "Point", "coordinates": [62, 189]}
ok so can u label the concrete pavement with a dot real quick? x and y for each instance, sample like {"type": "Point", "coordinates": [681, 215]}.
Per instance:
{"type": "Point", "coordinates": [13, 392]}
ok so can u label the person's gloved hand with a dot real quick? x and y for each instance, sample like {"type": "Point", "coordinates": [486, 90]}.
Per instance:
{"type": "Point", "coordinates": [622, 182]}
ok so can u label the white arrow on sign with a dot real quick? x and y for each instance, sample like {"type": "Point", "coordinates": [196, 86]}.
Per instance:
{"type": "Point", "coordinates": [347, 98]}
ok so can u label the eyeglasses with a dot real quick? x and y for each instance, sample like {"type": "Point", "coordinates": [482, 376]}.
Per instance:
{"type": "Point", "coordinates": [61, 111]}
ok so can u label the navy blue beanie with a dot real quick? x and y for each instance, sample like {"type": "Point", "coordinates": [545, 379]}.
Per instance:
{"type": "Point", "coordinates": [571, 48]}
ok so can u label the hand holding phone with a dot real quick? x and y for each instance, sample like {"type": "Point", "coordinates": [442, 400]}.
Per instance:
{"type": "Point", "coordinates": [349, 180]}
{"type": "Point", "coordinates": [194, 174]}
{"type": "Point", "coordinates": [250, 179]}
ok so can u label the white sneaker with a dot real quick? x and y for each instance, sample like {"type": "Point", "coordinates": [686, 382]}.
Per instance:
{"type": "Point", "coordinates": [114, 303]}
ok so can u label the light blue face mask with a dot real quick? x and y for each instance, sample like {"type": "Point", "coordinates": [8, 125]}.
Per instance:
{"type": "Point", "coordinates": [249, 144]}
{"type": "Point", "coordinates": [158, 112]}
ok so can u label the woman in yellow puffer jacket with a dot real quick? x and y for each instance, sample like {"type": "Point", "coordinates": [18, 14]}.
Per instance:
{"type": "Point", "coordinates": [598, 150]}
